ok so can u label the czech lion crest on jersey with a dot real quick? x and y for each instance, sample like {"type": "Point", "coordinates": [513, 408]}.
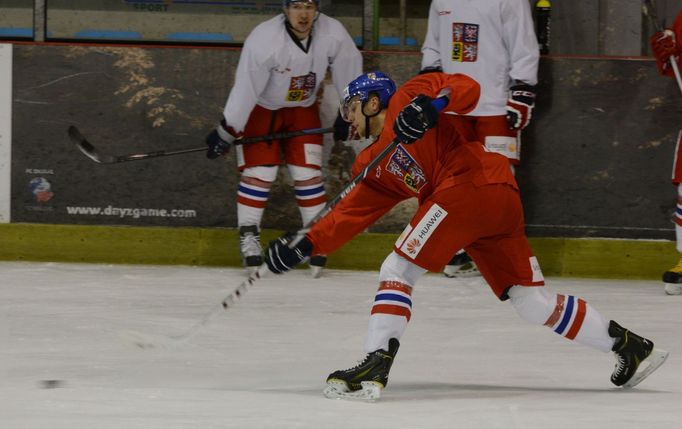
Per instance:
{"type": "Point", "coordinates": [302, 87]}
{"type": "Point", "coordinates": [402, 164]}
{"type": "Point", "coordinates": [464, 42]}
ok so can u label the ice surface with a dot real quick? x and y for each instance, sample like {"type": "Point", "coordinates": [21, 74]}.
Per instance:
{"type": "Point", "coordinates": [466, 361]}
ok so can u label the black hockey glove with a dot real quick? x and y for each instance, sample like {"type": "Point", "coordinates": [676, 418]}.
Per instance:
{"type": "Point", "coordinates": [220, 140]}
{"type": "Point", "coordinates": [341, 129]}
{"type": "Point", "coordinates": [520, 106]}
{"type": "Point", "coordinates": [281, 258]}
{"type": "Point", "coordinates": [431, 69]}
{"type": "Point", "coordinates": [415, 119]}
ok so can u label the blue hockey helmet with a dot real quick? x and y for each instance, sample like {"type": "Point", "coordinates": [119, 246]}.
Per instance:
{"type": "Point", "coordinates": [365, 85]}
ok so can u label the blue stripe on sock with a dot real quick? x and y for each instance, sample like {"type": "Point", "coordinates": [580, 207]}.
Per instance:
{"type": "Point", "coordinates": [393, 297]}
{"type": "Point", "coordinates": [308, 192]}
{"type": "Point", "coordinates": [567, 316]}
{"type": "Point", "coordinates": [253, 192]}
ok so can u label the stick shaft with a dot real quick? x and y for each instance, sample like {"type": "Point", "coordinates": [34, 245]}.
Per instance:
{"type": "Point", "coordinates": [89, 150]}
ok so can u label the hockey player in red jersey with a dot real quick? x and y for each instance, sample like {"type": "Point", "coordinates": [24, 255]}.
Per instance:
{"type": "Point", "coordinates": [667, 48]}
{"type": "Point", "coordinates": [468, 198]}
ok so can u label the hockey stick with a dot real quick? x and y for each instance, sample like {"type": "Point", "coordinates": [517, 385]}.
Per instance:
{"type": "Point", "coordinates": [649, 10]}
{"type": "Point", "coordinates": [147, 341]}
{"type": "Point", "coordinates": [89, 150]}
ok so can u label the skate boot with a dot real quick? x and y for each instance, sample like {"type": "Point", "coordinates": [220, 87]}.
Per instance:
{"type": "Point", "coordinates": [250, 248]}
{"type": "Point", "coordinates": [673, 279]}
{"type": "Point", "coordinates": [636, 356]}
{"type": "Point", "coordinates": [316, 264]}
{"type": "Point", "coordinates": [365, 380]}
{"type": "Point", "coordinates": [460, 266]}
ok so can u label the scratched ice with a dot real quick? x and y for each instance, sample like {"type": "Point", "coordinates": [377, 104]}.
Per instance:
{"type": "Point", "coordinates": [466, 361]}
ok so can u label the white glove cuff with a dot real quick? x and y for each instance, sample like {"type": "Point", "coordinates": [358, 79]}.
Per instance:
{"type": "Point", "coordinates": [225, 135]}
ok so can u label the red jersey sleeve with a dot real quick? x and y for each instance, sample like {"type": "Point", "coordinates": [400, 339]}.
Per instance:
{"type": "Point", "coordinates": [464, 95]}
{"type": "Point", "coordinates": [358, 210]}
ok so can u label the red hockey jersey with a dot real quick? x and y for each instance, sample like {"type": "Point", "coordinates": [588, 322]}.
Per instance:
{"type": "Point", "coordinates": [441, 159]}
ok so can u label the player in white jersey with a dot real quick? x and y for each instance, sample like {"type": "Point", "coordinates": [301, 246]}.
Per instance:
{"type": "Point", "coordinates": [492, 41]}
{"type": "Point", "coordinates": [667, 49]}
{"type": "Point", "coordinates": [281, 67]}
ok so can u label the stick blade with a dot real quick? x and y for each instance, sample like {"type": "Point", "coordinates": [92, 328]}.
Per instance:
{"type": "Point", "coordinates": [147, 341]}
{"type": "Point", "coordinates": [87, 148]}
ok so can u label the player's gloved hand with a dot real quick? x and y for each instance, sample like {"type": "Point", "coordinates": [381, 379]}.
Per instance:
{"type": "Point", "coordinates": [281, 258]}
{"type": "Point", "coordinates": [220, 140]}
{"type": "Point", "coordinates": [342, 129]}
{"type": "Point", "coordinates": [415, 119]}
{"type": "Point", "coordinates": [431, 69]}
{"type": "Point", "coordinates": [520, 106]}
{"type": "Point", "coordinates": [663, 46]}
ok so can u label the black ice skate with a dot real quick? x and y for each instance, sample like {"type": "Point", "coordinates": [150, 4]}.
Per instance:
{"type": "Point", "coordinates": [461, 265]}
{"type": "Point", "coordinates": [317, 263]}
{"type": "Point", "coordinates": [250, 248]}
{"type": "Point", "coordinates": [673, 279]}
{"type": "Point", "coordinates": [636, 357]}
{"type": "Point", "coordinates": [364, 381]}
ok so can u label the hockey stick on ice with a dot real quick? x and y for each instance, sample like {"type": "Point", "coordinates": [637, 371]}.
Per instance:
{"type": "Point", "coordinates": [89, 150]}
{"type": "Point", "coordinates": [649, 10]}
{"type": "Point", "coordinates": [147, 341]}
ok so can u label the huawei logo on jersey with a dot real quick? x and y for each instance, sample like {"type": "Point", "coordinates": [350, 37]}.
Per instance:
{"type": "Point", "coordinates": [412, 246]}
{"type": "Point", "coordinates": [444, 12]}
{"type": "Point", "coordinates": [414, 239]}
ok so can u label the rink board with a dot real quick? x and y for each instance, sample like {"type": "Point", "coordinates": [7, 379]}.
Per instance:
{"type": "Point", "coordinates": [596, 158]}
{"type": "Point", "coordinates": [569, 257]}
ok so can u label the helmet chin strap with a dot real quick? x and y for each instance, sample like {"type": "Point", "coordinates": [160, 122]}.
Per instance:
{"type": "Point", "coordinates": [367, 118]}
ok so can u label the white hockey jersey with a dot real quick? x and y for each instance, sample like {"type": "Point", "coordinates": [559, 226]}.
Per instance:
{"type": "Point", "coordinates": [493, 41]}
{"type": "Point", "coordinates": [274, 72]}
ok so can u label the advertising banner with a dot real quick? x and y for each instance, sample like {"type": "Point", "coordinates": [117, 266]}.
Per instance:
{"type": "Point", "coordinates": [595, 160]}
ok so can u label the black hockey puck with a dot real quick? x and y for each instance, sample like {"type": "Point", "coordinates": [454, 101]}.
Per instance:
{"type": "Point", "coordinates": [51, 384]}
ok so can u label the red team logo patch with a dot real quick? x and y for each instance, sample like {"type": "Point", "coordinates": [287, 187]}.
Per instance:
{"type": "Point", "coordinates": [464, 42]}
{"type": "Point", "coordinates": [301, 87]}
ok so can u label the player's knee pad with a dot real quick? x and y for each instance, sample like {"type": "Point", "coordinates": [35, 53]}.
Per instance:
{"type": "Point", "coordinates": [534, 304]}
{"type": "Point", "coordinates": [396, 268]}
{"type": "Point", "coordinates": [263, 173]}
{"type": "Point", "coordinates": [305, 174]}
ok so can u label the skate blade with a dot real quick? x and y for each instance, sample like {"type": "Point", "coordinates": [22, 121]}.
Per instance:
{"type": "Point", "coordinates": [370, 391]}
{"type": "Point", "coordinates": [651, 364]}
{"type": "Point", "coordinates": [673, 289]}
{"type": "Point", "coordinates": [316, 272]}
{"type": "Point", "coordinates": [458, 273]}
